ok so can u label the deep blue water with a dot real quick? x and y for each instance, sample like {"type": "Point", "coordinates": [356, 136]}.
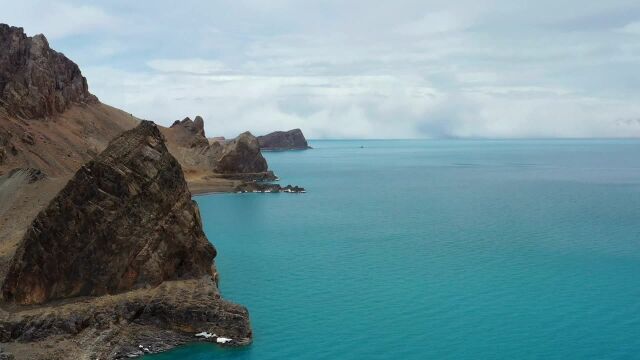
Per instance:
{"type": "Point", "coordinates": [436, 250]}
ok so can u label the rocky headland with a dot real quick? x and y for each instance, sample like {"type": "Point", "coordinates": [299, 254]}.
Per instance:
{"type": "Point", "coordinates": [284, 140]}
{"type": "Point", "coordinates": [50, 121]}
{"type": "Point", "coordinates": [102, 254]}
{"type": "Point", "coordinates": [215, 166]}
{"type": "Point", "coordinates": [116, 260]}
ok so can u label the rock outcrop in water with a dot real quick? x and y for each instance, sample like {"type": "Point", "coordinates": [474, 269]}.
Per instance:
{"type": "Point", "coordinates": [256, 187]}
{"type": "Point", "coordinates": [241, 155]}
{"type": "Point", "coordinates": [122, 247]}
{"type": "Point", "coordinates": [105, 252]}
{"type": "Point", "coordinates": [124, 221]}
{"type": "Point", "coordinates": [36, 81]}
{"type": "Point", "coordinates": [214, 164]}
{"type": "Point", "coordinates": [284, 140]}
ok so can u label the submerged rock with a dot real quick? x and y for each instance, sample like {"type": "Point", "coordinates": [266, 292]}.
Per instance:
{"type": "Point", "coordinates": [124, 221]}
{"type": "Point", "coordinates": [284, 140]}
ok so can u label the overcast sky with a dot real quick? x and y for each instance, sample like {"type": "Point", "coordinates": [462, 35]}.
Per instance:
{"type": "Point", "coordinates": [359, 68]}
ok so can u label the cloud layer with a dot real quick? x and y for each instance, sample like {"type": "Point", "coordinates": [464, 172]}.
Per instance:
{"type": "Point", "coordinates": [391, 69]}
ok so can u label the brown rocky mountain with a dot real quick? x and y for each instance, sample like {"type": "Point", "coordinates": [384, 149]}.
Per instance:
{"type": "Point", "coordinates": [217, 165]}
{"type": "Point", "coordinates": [284, 140]}
{"type": "Point", "coordinates": [121, 252]}
{"type": "Point", "coordinates": [105, 247]}
{"type": "Point", "coordinates": [50, 121]}
{"type": "Point", "coordinates": [124, 221]}
{"type": "Point", "coordinates": [189, 133]}
{"type": "Point", "coordinates": [36, 81]}
{"type": "Point", "coordinates": [48, 118]}
{"type": "Point", "coordinates": [241, 155]}
{"type": "Point", "coordinates": [68, 127]}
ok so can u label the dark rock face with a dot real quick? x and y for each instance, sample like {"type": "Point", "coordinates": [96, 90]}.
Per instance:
{"type": "Point", "coordinates": [257, 187]}
{"type": "Point", "coordinates": [284, 140]}
{"type": "Point", "coordinates": [124, 221]}
{"type": "Point", "coordinates": [4, 146]}
{"type": "Point", "coordinates": [241, 155]}
{"type": "Point", "coordinates": [36, 81]}
{"type": "Point", "coordinates": [198, 124]}
{"type": "Point", "coordinates": [160, 318]}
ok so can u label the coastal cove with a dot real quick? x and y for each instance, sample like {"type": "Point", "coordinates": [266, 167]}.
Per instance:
{"type": "Point", "coordinates": [444, 249]}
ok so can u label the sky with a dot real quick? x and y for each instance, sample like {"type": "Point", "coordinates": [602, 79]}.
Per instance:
{"type": "Point", "coordinates": [358, 68]}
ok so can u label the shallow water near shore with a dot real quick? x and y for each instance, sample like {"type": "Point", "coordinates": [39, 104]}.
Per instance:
{"type": "Point", "coordinates": [436, 249]}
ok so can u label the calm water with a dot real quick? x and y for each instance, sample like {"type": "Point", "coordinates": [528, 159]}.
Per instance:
{"type": "Point", "coordinates": [436, 250]}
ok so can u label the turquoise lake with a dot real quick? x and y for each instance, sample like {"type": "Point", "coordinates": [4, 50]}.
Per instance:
{"type": "Point", "coordinates": [436, 250]}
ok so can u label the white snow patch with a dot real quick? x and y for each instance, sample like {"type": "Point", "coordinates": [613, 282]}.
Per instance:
{"type": "Point", "coordinates": [205, 335]}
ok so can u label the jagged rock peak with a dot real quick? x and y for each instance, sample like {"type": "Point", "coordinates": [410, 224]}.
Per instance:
{"type": "Point", "coordinates": [284, 140]}
{"type": "Point", "coordinates": [198, 123]}
{"type": "Point", "coordinates": [36, 81]}
{"type": "Point", "coordinates": [195, 127]}
{"type": "Point", "coordinates": [241, 155]}
{"type": "Point", "coordinates": [126, 220]}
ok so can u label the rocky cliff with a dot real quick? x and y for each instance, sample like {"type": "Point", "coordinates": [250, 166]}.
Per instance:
{"type": "Point", "coordinates": [125, 220]}
{"type": "Point", "coordinates": [190, 133]}
{"type": "Point", "coordinates": [122, 247]}
{"type": "Point", "coordinates": [36, 81]}
{"type": "Point", "coordinates": [284, 140]}
{"type": "Point", "coordinates": [241, 155]}
{"type": "Point", "coordinates": [215, 164]}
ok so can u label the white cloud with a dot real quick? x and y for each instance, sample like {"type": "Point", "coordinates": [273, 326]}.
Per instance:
{"type": "Point", "coordinates": [631, 28]}
{"type": "Point", "coordinates": [402, 68]}
{"type": "Point", "coordinates": [55, 19]}
{"type": "Point", "coordinates": [438, 22]}
{"type": "Point", "coordinates": [362, 106]}
{"type": "Point", "coordinates": [188, 66]}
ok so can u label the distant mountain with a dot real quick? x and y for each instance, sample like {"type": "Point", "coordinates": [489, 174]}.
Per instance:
{"type": "Point", "coordinates": [284, 140]}
{"type": "Point", "coordinates": [210, 165]}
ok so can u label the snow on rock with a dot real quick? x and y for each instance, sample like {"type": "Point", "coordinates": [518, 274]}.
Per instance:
{"type": "Point", "coordinates": [205, 335]}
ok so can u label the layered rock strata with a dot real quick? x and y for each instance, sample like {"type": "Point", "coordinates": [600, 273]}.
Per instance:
{"type": "Point", "coordinates": [125, 220]}
{"type": "Point", "coordinates": [119, 251]}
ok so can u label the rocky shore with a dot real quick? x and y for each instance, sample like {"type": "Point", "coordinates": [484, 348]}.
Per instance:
{"type": "Point", "coordinates": [102, 252]}
{"type": "Point", "coordinates": [256, 187]}
{"type": "Point", "coordinates": [215, 166]}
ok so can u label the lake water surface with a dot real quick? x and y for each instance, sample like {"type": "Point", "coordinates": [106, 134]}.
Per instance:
{"type": "Point", "coordinates": [436, 250]}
